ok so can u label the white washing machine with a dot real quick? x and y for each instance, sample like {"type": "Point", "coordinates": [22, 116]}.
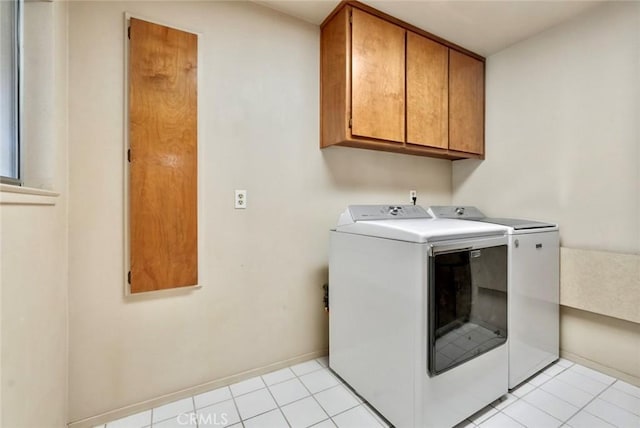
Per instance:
{"type": "Point", "coordinates": [418, 313]}
{"type": "Point", "coordinates": [534, 290]}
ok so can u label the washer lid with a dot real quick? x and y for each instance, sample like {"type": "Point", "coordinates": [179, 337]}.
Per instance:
{"type": "Point", "coordinates": [417, 227]}
{"type": "Point", "coordinates": [473, 213]}
{"type": "Point", "coordinates": [517, 224]}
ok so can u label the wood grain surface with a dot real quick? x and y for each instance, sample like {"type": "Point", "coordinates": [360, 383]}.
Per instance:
{"type": "Point", "coordinates": [427, 92]}
{"type": "Point", "coordinates": [334, 79]}
{"type": "Point", "coordinates": [163, 168]}
{"type": "Point", "coordinates": [466, 103]}
{"type": "Point", "coordinates": [378, 78]}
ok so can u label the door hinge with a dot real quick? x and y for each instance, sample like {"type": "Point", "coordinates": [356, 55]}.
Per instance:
{"type": "Point", "coordinates": [129, 32]}
{"type": "Point", "coordinates": [129, 155]}
{"type": "Point", "coordinates": [129, 277]}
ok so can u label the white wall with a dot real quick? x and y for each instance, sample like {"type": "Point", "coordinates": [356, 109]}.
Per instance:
{"type": "Point", "coordinates": [33, 244]}
{"type": "Point", "coordinates": [563, 145]}
{"type": "Point", "coordinates": [563, 131]}
{"type": "Point", "coordinates": [261, 300]}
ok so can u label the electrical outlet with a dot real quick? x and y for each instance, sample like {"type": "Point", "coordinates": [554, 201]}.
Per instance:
{"type": "Point", "coordinates": [412, 194]}
{"type": "Point", "coordinates": [241, 199]}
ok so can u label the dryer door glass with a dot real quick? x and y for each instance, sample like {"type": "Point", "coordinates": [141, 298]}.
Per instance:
{"type": "Point", "coordinates": [467, 305]}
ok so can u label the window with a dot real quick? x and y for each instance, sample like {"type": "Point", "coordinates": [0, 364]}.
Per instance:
{"type": "Point", "coordinates": [10, 80]}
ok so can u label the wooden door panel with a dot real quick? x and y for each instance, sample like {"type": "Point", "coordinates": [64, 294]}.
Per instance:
{"type": "Point", "coordinates": [163, 219]}
{"type": "Point", "coordinates": [466, 103]}
{"type": "Point", "coordinates": [427, 92]}
{"type": "Point", "coordinates": [378, 78]}
{"type": "Point", "coordinates": [334, 88]}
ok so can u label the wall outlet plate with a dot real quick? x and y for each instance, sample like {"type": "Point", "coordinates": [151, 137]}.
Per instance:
{"type": "Point", "coordinates": [241, 199]}
{"type": "Point", "coordinates": [412, 194]}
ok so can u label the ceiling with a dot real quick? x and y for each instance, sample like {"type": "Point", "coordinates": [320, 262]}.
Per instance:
{"type": "Point", "coordinates": [484, 27]}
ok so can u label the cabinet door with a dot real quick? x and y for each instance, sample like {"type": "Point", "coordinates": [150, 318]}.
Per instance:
{"type": "Point", "coordinates": [427, 97]}
{"type": "Point", "coordinates": [163, 214]}
{"type": "Point", "coordinates": [377, 79]}
{"type": "Point", "coordinates": [466, 103]}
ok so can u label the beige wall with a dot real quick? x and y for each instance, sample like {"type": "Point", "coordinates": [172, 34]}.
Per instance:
{"type": "Point", "coordinates": [33, 244]}
{"type": "Point", "coordinates": [607, 344]}
{"type": "Point", "coordinates": [262, 268]}
{"type": "Point", "coordinates": [563, 132]}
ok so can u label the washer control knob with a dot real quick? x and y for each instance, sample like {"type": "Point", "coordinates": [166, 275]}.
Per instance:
{"type": "Point", "coordinates": [460, 210]}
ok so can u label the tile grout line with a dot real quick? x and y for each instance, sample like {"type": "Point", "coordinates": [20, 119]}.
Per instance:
{"type": "Point", "coordinates": [233, 397]}
{"type": "Point", "coordinates": [195, 411]}
{"type": "Point", "coordinates": [277, 404]}
{"type": "Point", "coordinates": [291, 402]}
{"type": "Point", "coordinates": [579, 389]}
{"type": "Point", "coordinates": [272, 396]}
{"type": "Point", "coordinates": [535, 387]}
{"type": "Point", "coordinates": [171, 417]}
{"type": "Point", "coordinates": [548, 392]}
{"type": "Point", "coordinates": [544, 411]}
{"type": "Point", "coordinates": [236, 406]}
{"type": "Point", "coordinates": [497, 413]}
{"type": "Point", "coordinates": [352, 391]}
{"type": "Point", "coordinates": [583, 409]}
{"type": "Point", "coordinates": [613, 404]}
{"type": "Point", "coordinates": [380, 420]}
{"type": "Point", "coordinates": [563, 422]}
{"type": "Point", "coordinates": [564, 369]}
{"type": "Point", "coordinates": [312, 395]}
{"type": "Point", "coordinates": [586, 377]}
{"type": "Point", "coordinates": [341, 382]}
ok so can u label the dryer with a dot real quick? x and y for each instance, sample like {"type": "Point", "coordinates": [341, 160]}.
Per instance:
{"type": "Point", "coordinates": [418, 313]}
{"type": "Point", "coordinates": [534, 289]}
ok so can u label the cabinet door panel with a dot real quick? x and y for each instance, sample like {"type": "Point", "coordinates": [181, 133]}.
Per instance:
{"type": "Point", "coordinates": [466, 103]}
{"type": "Point", "coordinates": [427, 92]}
{"type": "Point", "coordinates": [163, 170]}
{"type": "Point", "coordinates": [378, 77]}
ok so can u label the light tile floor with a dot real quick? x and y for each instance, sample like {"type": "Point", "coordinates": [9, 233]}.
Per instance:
{"type": "Point", "coordinates": [310, 395]}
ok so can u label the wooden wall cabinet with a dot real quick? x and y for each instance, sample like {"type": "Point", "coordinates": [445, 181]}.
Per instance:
{"type": "Point", "coordinates": [386, 85]}
{"type": "Point", "coordinates": [466, 103]}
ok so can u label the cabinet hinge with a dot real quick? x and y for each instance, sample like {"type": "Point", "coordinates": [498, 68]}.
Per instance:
{"type": "Point", "coordinates": [129, 277]}
{"type": "Point", "coordinates": [350, 122]}
{"type": "Point", "coordinates": [129, 32]}
{"type": "Point", "coordinates": [351, 17]}
{"type": "Point", "coordinates": [129, 155]}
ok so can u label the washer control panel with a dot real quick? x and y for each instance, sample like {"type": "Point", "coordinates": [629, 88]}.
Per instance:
{"type": "Point", "coordinates": [386, 212]}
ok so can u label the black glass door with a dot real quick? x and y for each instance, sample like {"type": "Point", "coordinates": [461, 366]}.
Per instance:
{"type": "Point", "coordinates": [467, 305]}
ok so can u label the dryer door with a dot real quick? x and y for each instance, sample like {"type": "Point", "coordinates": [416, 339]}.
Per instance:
{"type": "Point", "coordinates": [467, 301]}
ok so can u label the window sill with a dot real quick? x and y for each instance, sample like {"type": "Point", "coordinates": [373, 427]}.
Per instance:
{"type": "Point", "coordinates": [20, 195]}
